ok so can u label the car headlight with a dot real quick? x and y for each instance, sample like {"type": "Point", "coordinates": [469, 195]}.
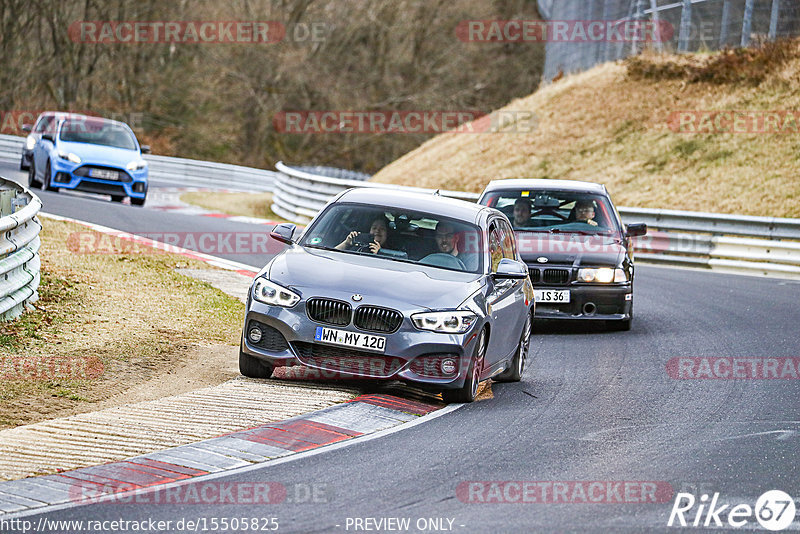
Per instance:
{"type": "Point", "coordinates": [30, 142]}
{"type": "Point", "coordinates": [136, 165]}
{"type": "Point", "coordinates": [449, 322]}
{"type": "Point", "coordinates": [603, 275]}
{"type": "Point", "coordinates": [69, 156]}
{"type": "Point", "coordinates": [271, 293]}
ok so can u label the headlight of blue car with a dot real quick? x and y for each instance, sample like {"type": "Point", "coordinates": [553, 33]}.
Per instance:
{"type": "Point", "coordinates": [69, 156]}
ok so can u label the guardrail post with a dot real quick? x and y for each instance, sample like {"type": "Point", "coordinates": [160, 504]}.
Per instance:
{"type": "Point", "coordinates": [726, 20]}
{"type": "Point", "coordinates": [7, 196]}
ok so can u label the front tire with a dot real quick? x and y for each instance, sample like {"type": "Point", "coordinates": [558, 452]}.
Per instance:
{"type": "Point", "coordinates": [137, 201]}
{"type": "Point", "coordinates": [32, 182]}
{"type": "Point", "coordinates": [117, 198]}
{"type": "Point", "coordinates": [469, 390]}
{"type": "Point", "coordinates": [252, 367]}
{"type": "Point", "coordinates": [621, 326]}
{"type": "Point", "coordinates": [46, 178]}
{"type": "Point", "coordinates": [517, 366]}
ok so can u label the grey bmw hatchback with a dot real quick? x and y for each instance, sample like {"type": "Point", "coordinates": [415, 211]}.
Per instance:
{"type": "Point", "coordinates": [396, 286]}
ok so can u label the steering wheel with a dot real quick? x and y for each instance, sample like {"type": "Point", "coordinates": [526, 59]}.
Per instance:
{"type": "Point", "coordinates": [439, 259]}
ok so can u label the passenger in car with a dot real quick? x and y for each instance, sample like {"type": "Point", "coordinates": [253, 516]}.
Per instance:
{"type": "Point", "coordinates": [379, 230]}
{"type": "Point", "coordinates": [584, 212]}
{"type": "Point", "coordinates": [522, 213]}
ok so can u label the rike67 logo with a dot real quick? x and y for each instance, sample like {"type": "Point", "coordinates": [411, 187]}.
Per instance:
{"type": "Point", "coordinates": [774, 510]}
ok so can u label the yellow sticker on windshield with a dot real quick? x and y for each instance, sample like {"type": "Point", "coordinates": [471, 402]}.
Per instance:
{"type": "Point", "coordinates": [526, 193]}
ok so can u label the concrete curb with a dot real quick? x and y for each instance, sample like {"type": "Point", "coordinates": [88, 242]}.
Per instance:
{"type": "Point", "coordinates": [364, 415]}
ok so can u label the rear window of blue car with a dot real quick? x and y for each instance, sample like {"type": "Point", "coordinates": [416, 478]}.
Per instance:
{"type": "Point", "coordinates": [97, 132]}
{"type": "Point", "coordinates": [398, 235]}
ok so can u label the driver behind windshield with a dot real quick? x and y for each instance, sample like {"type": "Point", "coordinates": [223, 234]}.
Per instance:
{"type": "Point", "coordinates": [584, 212]}
{"type": "Point", "coordinates": [379, 230]}
{"type": "Point", "coordinates": [522, 212]}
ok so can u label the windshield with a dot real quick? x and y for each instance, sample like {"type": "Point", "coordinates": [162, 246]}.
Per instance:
{"type": "Point", "coordinates": [556, 211]}
{"type": "Point", "coordinates": [397, 235]}
{"type": "Point", "coordinates": [97, 132]}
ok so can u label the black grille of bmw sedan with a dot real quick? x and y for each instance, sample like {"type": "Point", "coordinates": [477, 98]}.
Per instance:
{"type": "Point", "coordinates": [346, 360]}
{"type": "Point", "coordinates": [556, 276]}
{"type": "Point", "coordinates": [329, 311]}
{"type": "Point", "coordinates": [374, 319]}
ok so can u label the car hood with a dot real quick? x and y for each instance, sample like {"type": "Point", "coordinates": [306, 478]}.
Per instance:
{"type": "Point", "coordinates": [380, 281]}
{"type": "Point", "coordinates": [570, 249]}
{"type": "Point", "coordinates": [100, 155]}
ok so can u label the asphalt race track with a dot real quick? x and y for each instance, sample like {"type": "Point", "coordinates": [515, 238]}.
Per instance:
{"type": "Point", "coordinates": [593, 406]}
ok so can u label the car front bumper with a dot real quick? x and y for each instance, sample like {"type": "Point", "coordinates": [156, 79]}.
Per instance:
{"type": "Point", "coordinates": [595, 302]}
{"type": "Point", "coordinates": [68, 175]}
{"type": "Point", "coordinates": [410, 355]}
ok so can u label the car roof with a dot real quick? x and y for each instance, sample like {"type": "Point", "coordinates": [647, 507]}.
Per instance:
{"type": "Point", "coordinates": [549, 185]}
{"type": "Point", "coordinates": [426, 202]}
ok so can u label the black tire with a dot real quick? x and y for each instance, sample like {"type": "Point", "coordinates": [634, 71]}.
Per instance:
{"type": "Point", "coordinates": [621, 326]}
{"type": "Point", "coordinates": [137, 201]}
{"type": "Point", "coordinates": [117, 198]}
{"type": "Point", "coordinates": [253, 367]}
{"type": "Point", "coordinates": [469, 390]}
{"type": "Point", "coordinates": [22, 165]}
{"type": "Point", "coordinates": [32, 182]}
{"type": "Point", "coordinates": [46, 178]}
{"type": "Point", "coordinates": [517, 366]}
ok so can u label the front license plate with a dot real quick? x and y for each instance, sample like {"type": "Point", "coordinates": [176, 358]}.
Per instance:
{"type": "Point", "coordinates": [354, 340]}
{"type": "Point", "coordinates": [550, 295]}
{"type": "Point", "coordinates": [104, 174]}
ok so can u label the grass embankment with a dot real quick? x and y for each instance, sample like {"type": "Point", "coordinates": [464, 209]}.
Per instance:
{"type": "Point", "coordinates": [616, 124]}
{"type": "Point", "coordinates": [105, 323]}
{"type": "Point", "coordinates": [245, 204]}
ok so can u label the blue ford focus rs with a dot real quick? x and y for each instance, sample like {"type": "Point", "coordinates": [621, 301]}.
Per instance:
{"type": "Point", "coordinates": [395, 286]}
{"type": "Point", "coordinates": [90, 154]}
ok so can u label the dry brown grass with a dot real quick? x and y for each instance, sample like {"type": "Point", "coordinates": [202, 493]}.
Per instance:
{"type": "Point", "coordinates": [610, 125]}
{"type": "Point", "coordinates": [132, 315]}
{"type": "Point", "coordinates": [246, 204]}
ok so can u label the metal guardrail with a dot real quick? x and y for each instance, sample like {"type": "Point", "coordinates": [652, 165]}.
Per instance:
{"type": "Point", "coordinates": [726, 243]}
{"type": "Point", "coordinates": [177, 171]}
{"type": "Point", "coordinates": [19, 249]}
{"type": "Point", "coordinates": [298, 195]}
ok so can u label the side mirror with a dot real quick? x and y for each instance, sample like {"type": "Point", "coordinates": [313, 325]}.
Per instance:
{"type": "Point", "coordinates": [510, 270]}
{"type": "Point", "coordinates": [636, 230]}
{"type": "Point", "coordinates": [283, 233]}
{"type": "Point", "coordinates": [145, 149]}
{"type": "Point", "coordinates": [27, 128]}
{"type": "Point", "coordinates": [49, 137]}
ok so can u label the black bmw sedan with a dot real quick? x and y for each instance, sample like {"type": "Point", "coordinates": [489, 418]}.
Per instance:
{"type": "Point", "coordinates": [578, 251]}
